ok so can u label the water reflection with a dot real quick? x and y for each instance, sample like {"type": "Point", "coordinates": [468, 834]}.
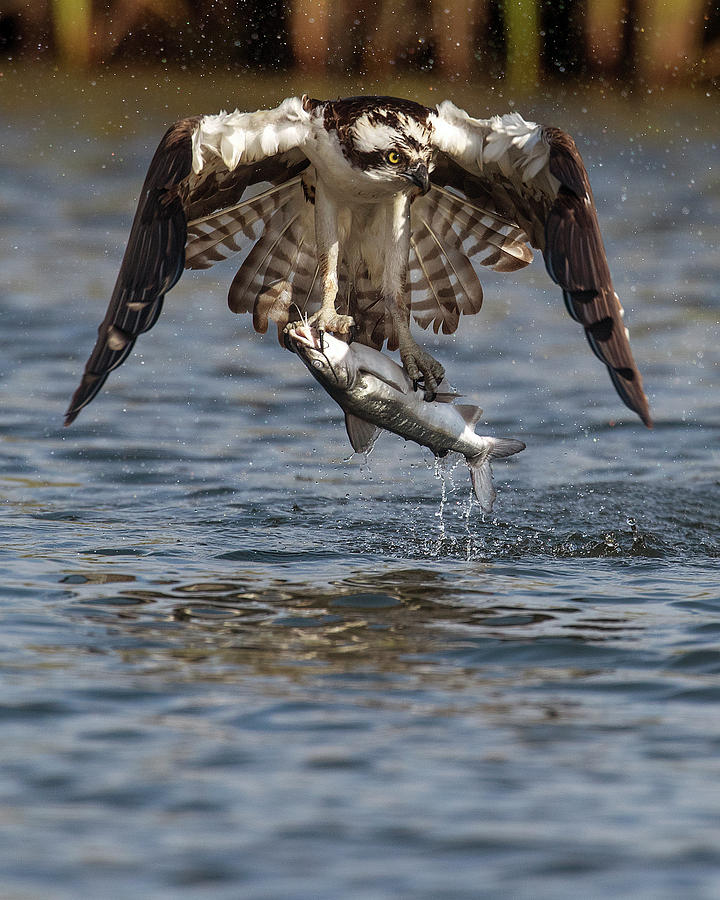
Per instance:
{"type": "Point", "coordinates": [400, 622]}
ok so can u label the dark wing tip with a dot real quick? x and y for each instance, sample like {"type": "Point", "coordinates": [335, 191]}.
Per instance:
{"type": "Point", "coordinates": [88, 388]}
{"type": "Point", "coordinates": [152, 264]}
{"type": "Point", "coordinates": [575, 259]}
{"type": "Point", "coordinates": [72, 412]}
{"type": "Point", "coordinates": [601, 315]}
{"type": "Point", "coordinates": [76, 404]}
{"type": "Point", "coordinates": [632, 396]}
{"type": "Point", "coordinates": [628, 384]}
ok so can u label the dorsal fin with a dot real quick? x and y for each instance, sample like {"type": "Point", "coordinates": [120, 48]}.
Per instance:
{"type": "Point", "coordinates": [445, 392]}
{"type": "Point", "coordinates": [471, 414]}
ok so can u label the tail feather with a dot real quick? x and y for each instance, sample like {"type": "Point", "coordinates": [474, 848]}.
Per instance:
{"type": "Point", "coordinates": [481, 472]}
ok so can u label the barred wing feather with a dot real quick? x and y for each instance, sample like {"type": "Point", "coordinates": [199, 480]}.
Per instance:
{"type": "Point", "coordinates": [222, 234]}
{"type": "Point", "coordinates": [152, 264]}
{"type": "Point", "coordinates": [433, 297]}
{"type": "Point", "coordinates": [451, 232]}
{"type": "Point", "coordinates": [200, 174]}
{"type": "Point", "coordinates": [532, 177]}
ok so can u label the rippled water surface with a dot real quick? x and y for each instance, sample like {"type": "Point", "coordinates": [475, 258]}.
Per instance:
{"type": "Point", "coordinates": [236, 664]}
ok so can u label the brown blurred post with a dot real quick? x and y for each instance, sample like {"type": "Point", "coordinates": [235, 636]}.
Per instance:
{"type": "Point", "coordinates": [310, 32]}
{"type": "Point", "coordinates": [117, 20]}
{"type": "Point", "coordinates": [604, 24]}
{"type": "Point", "coordinates": [669, 38]}
{"type": "Point", "coordinates": [34, 20]}
{"type": "Point", "coordinates": [392, 26]}
{"type": "Point", "coordinates": [455, 24]}
{"type": "Point", "coordinates": [72, 26]}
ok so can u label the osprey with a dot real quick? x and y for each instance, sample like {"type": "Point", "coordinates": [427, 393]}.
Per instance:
{"type": "Point", "coordinates": [360, 213]}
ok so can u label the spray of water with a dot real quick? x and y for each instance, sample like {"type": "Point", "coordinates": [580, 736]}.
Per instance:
{"type": "Point", "coordinates": [440, 471]}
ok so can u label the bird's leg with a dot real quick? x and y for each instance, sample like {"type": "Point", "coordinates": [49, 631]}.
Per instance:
{"type": "Point", "coordinates": [327, 240]}
{"type": "Point", "coordinates": [327, 318]}
{"type": "Point", "coordinates": [419, 365]}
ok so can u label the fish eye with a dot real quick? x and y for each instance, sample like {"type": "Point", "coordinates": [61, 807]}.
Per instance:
{"type": "Point", "coordinates": [318, 363]}
{"type": "Point", "coordinates": [393, 157]}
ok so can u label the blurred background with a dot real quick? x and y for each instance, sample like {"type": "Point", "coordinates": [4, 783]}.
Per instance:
{"type": "Point", "coordinates": [650, 43]}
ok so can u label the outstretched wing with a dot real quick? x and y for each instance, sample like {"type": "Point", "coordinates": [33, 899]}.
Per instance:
{"type": "Point", "coordinates": [204, 167]}
{"type": "Point", "coordinates": [500, 184]}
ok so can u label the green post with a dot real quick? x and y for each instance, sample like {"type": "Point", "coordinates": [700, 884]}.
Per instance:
{"type": "Point", "coordinates": [72, 25]}
{"type": "Point", "coordinates": [522, 37]}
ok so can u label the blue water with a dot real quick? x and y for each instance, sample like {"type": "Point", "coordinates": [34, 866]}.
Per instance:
{"type": "Point", "coordinates": [235, 664]}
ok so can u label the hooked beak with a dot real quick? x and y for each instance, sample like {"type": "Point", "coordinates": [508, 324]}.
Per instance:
{"type": "Point", "coordinates": [419, 176]}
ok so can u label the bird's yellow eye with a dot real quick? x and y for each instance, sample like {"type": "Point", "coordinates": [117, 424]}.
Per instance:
{"type": "Point", "coordinates": [393, 157]}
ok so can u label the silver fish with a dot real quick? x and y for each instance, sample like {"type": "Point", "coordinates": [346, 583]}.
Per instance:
{"type": "Point", "coordinates": [376, 393]}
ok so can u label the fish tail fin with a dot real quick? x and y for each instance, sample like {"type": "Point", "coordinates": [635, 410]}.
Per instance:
{"type": "Point", "coordinates": [481, 476]}
{"type": "Point", "coordinates": [481, 473]}
{"type": "Point", "coordinates": [503, 447]}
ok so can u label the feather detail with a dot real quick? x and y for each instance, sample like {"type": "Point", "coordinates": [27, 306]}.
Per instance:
{"type": "Point", "coordinates": [437, 270]}
{"type": "Point", "coordinates": [152, 263]}
{"type": "Point", "coordinates": [435, 301]}
{"type": "Point", "coordinates": [247, 137]}
{"type": "Point", "coordinates": [278, 279]}
{"type": "Point", "coordinates": [470, 296]}
{"type": "Point", "coordinates": [534, 176]}
{"type": "Point", "coordinates": [499, 243]}
{"type": "Point", "coordinates": [277, 296]}
{"type": "Point", "coordinates": [266, 262]}
{"type": "Point", "coordinates": [220, 235]}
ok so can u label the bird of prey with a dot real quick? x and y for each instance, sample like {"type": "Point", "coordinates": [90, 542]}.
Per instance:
{"type": "Point", "coordinates": [361, 213]}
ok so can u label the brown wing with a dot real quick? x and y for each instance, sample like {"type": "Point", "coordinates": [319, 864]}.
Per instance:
{"type": "Point", "coordinates": [564, 226]}
{"type": "Point", "coordinates": [178, 208]}
{"type": "Point", "coordinates": [152, 263]}
{"type": "Point", "coordinates": [575, 259]}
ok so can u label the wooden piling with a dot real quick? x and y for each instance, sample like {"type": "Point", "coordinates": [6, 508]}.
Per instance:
{"type": "Point", "coordinates": [522, 38]}
{"type": "Point", "coordinates": [72, 25]}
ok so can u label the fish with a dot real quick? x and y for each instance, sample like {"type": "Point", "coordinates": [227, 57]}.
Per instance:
{"type": "Point", "coordinates": [375, 393]}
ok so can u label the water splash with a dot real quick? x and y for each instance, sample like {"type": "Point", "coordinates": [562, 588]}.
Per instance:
{"type": "Point", "coordinates": [465, 514]}
{"type": "Point", "coordinates": [440, 472]}
{"type": "Point", "coordinates": [449, 515]}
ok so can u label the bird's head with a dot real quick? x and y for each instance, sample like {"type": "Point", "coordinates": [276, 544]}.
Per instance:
{"type": "Point", "coordinates": [389, 140]}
